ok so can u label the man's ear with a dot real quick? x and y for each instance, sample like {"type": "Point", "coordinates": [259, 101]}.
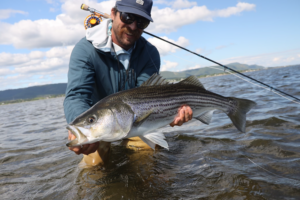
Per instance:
{"type": "Point", "coordinates": [112, 14]}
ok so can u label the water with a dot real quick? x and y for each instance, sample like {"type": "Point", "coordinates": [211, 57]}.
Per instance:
{"type": "Point", "coordinates": [204, 161]}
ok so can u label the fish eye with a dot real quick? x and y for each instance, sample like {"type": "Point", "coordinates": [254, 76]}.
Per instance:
{"type": "Point", "coordinates": [91, 119]}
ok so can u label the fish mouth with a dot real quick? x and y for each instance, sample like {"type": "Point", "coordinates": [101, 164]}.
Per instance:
{"type": "Point", "coordinates": [80, 138]}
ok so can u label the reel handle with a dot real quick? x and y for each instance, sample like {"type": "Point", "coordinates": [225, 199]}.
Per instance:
{"type": "Point", "coordinates": [92, 10]}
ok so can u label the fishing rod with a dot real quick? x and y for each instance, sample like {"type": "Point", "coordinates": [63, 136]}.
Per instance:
{"type": "Point", "coordinates": [100, 14]}
{"type": "Point", "coordinates": [225, 67]}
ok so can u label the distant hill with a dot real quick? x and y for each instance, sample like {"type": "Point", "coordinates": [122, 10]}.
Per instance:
{"type": "Point", "coordinates": [60, 88]}
{"type": "Point", "coordinates": [33, 92]}
{"type": "Point", "coordinates": [208, 71]}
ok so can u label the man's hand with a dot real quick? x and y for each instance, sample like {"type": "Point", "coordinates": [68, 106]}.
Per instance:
{"type": "Point", "coordinates": [185, 114]}
{"type": "Point", "coordinates": [85, 149]}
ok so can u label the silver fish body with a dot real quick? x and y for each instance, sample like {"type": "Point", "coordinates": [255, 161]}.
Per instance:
{"type": "Point", "coordinates": [140, 111]}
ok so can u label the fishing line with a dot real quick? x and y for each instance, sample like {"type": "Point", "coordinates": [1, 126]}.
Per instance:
{"type": "Point", "coordinates": [228, 68]}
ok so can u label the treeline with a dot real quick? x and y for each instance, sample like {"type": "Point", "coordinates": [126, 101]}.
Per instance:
{"type": "Point", "coordinates": [33, 92]}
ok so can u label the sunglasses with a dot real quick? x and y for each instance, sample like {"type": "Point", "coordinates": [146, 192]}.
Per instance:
{"type": "Point", "coordinates": [129, 18]}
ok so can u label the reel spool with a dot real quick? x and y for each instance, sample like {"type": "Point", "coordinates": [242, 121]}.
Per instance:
{"type": "Point", "coordinates": [92, 20]}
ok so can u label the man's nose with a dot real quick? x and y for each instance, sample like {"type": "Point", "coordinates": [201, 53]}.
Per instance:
{"type": "Point", "coordinates": [133, 25]}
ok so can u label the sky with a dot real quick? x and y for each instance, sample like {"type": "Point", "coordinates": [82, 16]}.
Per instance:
{"type": "Point", "coordinates": [37, 36]}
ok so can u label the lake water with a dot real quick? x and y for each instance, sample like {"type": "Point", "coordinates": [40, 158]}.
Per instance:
{"type": "Point", "coordinates": [213, 161]}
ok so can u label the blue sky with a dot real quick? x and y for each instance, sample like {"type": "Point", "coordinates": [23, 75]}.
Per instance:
{"type": "Point", "coordinates": [37, 36]}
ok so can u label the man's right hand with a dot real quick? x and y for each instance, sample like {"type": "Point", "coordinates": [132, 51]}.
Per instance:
{"type": "Point", "coordinates": [84, 149]}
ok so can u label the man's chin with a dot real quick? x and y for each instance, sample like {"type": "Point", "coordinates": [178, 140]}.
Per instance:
{"type": "Point", "coordinates": [127, 44]}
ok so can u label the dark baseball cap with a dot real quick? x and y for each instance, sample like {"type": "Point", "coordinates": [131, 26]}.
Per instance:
{"type": "Point", "coordinates": [138, 7]}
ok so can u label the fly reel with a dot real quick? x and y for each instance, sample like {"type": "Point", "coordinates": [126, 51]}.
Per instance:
{"type": "Point", "coordinates": [95, 18]}
{"type": "Point", "coordinates": [92, 20]}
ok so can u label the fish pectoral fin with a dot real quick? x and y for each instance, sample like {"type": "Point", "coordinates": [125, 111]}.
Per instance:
{"type": "Point", "coordinates": [155, 138]}
{"type": "Point", "coordinates": [205, 117]}
{"type": "Point", "coordinates": [143, 117]}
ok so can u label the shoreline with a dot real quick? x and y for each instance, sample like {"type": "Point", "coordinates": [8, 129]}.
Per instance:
{"type": "Point", "coordinates": [33, 99]}
{"type": "Point", "coordinates": [169, 80]}
{"type": "Point", "coordinates": [62, 95]}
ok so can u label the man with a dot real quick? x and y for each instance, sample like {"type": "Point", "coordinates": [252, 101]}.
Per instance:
{"type": "Point", "coordinates": [112, 57]}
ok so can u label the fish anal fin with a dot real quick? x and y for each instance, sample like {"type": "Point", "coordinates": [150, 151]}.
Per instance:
{"type": "Point", "coordinates": [206, 117]}
{"type": "Point", "coordinates": [157, 138]}
{"type": "Point", "coordinates": [192, 80]}
{"type": "Point", "coordinates": [148, 142]}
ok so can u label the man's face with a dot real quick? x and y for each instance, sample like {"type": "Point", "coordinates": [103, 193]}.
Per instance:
{"type": "Point", "coordinates": [123, 34]}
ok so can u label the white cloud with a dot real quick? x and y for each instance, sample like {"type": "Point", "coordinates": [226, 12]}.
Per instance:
{"type": "Point", "coordinates": [6, 13]}
{"type": "Point", "coordinates": [199, 50]}
{"type": "Point", "coordinates": [177, 4]}
{"type": "Point", "coordinates": [168, 65]}
{"type": "Point", "coordinates": [268, 60]}
{"type": "Point", "coordinates": [193, 67]}
{"type": "Point", "coordinates": [19, 70]}
{"type": "Point", "coordinates": [181, 17]}
{"type": "Point", "coordinates": [165, 48]}
{"type": "Point", "coordinates": [183, 4]}
{"type": "Point", "coordinates": [66, 29]}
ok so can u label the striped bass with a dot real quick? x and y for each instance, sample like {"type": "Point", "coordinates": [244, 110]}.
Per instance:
{"type": "Point", "coordinates": [140, 111]}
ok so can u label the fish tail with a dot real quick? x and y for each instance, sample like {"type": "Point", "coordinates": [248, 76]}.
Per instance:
{"type": "Point", "coordinates": [238, 116]}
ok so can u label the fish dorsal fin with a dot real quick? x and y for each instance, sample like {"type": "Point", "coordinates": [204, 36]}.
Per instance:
{"type": "Point", "coordinates": [155, 79]}
{"type": "Point", "coordinates": [192, 80]}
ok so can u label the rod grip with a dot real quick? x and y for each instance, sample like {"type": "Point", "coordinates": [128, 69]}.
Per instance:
{"type": "Point", "coordinates": [106, 16]}
{"type": "Point", "coordinates": [84, 7]}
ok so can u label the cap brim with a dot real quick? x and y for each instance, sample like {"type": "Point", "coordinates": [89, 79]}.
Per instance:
{"type": "Point", "coordinates": [134, 11]}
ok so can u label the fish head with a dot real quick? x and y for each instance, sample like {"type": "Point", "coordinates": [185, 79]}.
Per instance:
{"type": "Point", "coordinates": [100, 124]}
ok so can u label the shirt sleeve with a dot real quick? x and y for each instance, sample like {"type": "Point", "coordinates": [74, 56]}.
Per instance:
{"type": "Point", "coordinates": [80, 83]}
{"type": "Point", "coordinates": [152, 66]}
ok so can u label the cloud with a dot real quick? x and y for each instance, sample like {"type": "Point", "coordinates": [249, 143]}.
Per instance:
{"type": "Point", "coordinates": [165, 48]}
{"type": "Point", "coordinates": [168, 65]}
{"type": "Point", "coordinates": [282, 58]}
{"type": "Point", "coordinates": [18, 70]}
{"type": "Point", "coordinates": [177, 4]}
{"type": "Point", "coordinates": [169, 20]}
{"type": "Point", "coordinates": [66, 29]}
{"type": "Point", "coordinates": [6, 13]}
{"type": "Point", "coordinates": [183, 4]}
{"type": "Point", "coordinates": [193, 67]}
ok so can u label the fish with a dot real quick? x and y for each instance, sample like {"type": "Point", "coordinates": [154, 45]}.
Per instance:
{"type": "Point", "coordinates": [141, 111]}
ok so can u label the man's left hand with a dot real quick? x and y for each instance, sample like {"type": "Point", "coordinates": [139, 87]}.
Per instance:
{"type": "Point", "coordinates": [185, 114]}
